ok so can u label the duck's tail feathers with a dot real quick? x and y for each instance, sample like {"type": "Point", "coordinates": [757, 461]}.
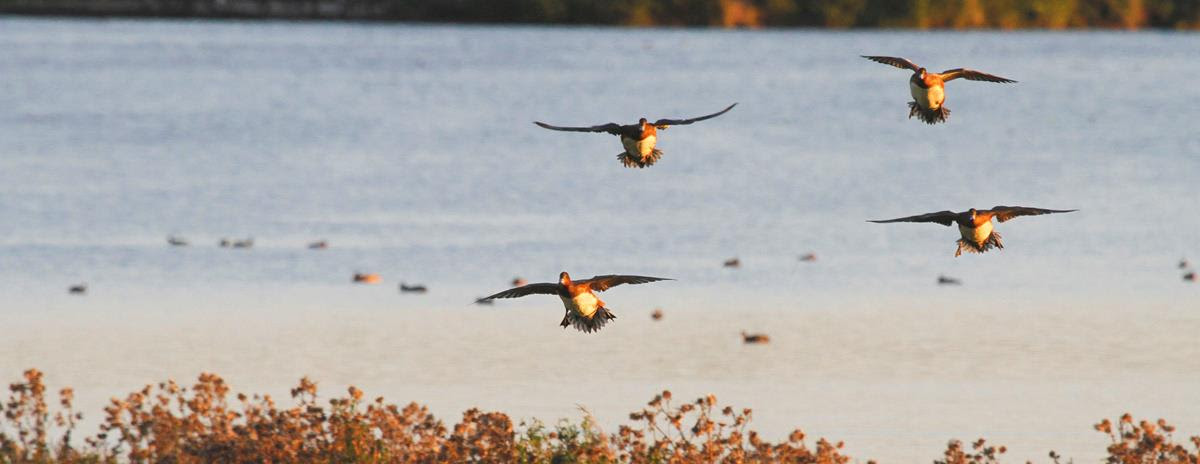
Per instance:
{"type": "Point", "coordinates": [631, 161]}
{"type": "Point", "coordinates": [993, 241]}
{"type": "Point", "coordinates": [588, 324]}
{"type": "Point", "coordinates": [927, 115]}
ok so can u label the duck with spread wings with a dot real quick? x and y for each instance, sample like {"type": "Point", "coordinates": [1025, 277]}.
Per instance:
{"type": "Point", "coordinates": [639, 140]}
{"type": "Point", "coordinates": [585, 311]}
{"type": "Point", "coordinates": [975, 225]}
{"type": "Point", "coordinates": [928, 89]}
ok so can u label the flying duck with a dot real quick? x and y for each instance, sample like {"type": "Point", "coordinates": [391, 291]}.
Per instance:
{"type": "Point", "coordinates": [975, 226]}
{"type": "Point", "coordinates": [928, 89]}
{"type": "Point", "coordinates": [584, 310]}
{"type": "Point", "coordinates": [638, 139]}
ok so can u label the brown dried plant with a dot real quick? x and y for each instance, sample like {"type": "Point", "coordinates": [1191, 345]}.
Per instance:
{"type": "Point", "coordinates": [169, 423]}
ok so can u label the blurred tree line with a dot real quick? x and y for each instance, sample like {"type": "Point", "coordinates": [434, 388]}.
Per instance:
{"type": "Point", "coordinates": [1008, 14]}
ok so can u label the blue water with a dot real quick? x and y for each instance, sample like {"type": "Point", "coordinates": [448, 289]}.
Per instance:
{"type": "Point", "coordinates": [411, 150]}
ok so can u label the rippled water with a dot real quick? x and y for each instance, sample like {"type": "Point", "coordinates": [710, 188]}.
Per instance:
{"type": "Point", "coordinates": [410, 149]}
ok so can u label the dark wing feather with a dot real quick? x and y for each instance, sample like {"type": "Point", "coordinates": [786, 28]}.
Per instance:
{"type": "Point", "coordinates": [612, 128]}
{"type": "Point", "coordinates": [1004, 213]}
{"type": "Point", "coordinates": [531, 289]}
{"type": "Point", "coordinates": [604, 282]}
{"type": "Point", "coordinates": [894, 61]}
{"type": "Point", "coordinates": [663, 123]}
{"type": "Point", "coordinates": [944, 218]}
{"type": "Point", "coordinates": [973, 75]}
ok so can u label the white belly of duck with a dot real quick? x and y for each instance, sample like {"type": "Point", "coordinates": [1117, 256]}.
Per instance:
{"type": "Point", "coordinates": [928, 98]}
{"type": "Point", "coordinates": [642, 148]}
{"type": "Point", "coordinates": [978, 235]}
{"type": "Point", "coordinates": [584, 304]}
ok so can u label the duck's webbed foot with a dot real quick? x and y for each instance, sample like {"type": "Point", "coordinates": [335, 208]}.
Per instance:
{"type": "Point", "coordinates": [929, 116]}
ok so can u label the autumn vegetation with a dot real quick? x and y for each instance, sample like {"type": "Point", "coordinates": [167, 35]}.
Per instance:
{"type": "Point", "coordinates": [206, 422]}
{"type": "Point", "coordinates": [918, 14]}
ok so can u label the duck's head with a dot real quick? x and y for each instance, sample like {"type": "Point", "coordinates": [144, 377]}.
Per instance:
{"type": "Point", "coordinates": [642, 123]}
{"type": "Point", "coordinates": [564, 278]}
{"type": "Point", "coordinates": [971, 212]}
{"type": "Point", "coordinates": [921, 73]}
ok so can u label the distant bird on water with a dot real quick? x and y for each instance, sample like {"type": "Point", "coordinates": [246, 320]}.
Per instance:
{"type": "Point", "coordinates": [175, 240]}
{"type": "Point", "coordinates": [318, 245]}
{"type": "Point", "coordinates": [733, 262]}
{"type": "Point", "coordinates": [366, 278]}
{"type": "Point", "coordinates": [77, 289]}
{"type": "Point", "coordinates": [751, 339]}
{"type": "Point", "coordinates": [638, 139]}
{"type": "Point", "coordinates": [928, 89]}
{"type": "Point", "coordinates": [1190, 276]}
{"type": "Point", "coordinates": [1183, 263]}
{"type": "Point", "coordinates": [405, 288]}
{"type": "Point", "coordinates": [808, 257]}
{"type": "Point", "coordinates": [657, 314]}
{"type": "Point", "coordinates": [943, 280]}
{"type": "Point", "coordinates": [975, 226]}
{"type": "Point", "coordinates": [584, 310]}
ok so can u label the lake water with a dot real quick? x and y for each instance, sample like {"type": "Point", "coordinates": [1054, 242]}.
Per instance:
{"type": "Point", "coordinates": [411, 150]}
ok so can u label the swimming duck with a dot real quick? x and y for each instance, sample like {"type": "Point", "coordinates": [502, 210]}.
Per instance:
{"type": "Point", "coordinates": [808, 257]}
{"type": "Point", "coordinates": [733, 262]}
{"type": "Point", "coordinates": [638, 139]}
{"type": "Point", "coordinates": [77, 289]}
{"type": "Point", "coordinates": [584, 310]}
{"type": "Point", "coordinates": [657, 314]}
{"type": "Point", "coordinates": [318, 245]}
{"type": "Point", "coordinates": [366, 278]}
{"type": "Point", "coordinates": [928, 89]}
{"type": "Point", "coordinates": [975, 226]}
{"type": "Point", "coordinates": [405, 288]}
{"type": "Point", "coordinates": [1190, 277]}
{"type": "Point", "coordinates": [750, 339]}
{"type": "Point", "coordinates": [174, 240]}
{"type": "Point", "coordinates": [943, 280]}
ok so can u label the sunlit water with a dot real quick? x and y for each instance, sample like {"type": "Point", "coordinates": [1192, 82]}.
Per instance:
{"type": "Point", "coordinates": [410, 149]}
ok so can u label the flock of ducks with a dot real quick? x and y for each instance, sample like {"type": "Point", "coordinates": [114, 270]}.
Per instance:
{"type": "Point", "coordinates": [587, 313]}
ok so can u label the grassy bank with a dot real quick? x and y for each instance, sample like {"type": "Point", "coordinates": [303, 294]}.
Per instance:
{"type": "Point", "coordinates": [920, 14]}
{"type": "Point", "coordinates": [169, 423]}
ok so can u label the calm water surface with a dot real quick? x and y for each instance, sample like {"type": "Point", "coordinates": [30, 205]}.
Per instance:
{"type": "Point", "coordinates": [410, 149]}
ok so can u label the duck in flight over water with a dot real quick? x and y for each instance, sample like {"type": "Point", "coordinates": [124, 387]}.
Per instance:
{"type": "Point", "coordinates": [928, 89]}
{"type": "Point", "coordinates": [638, 139]}
{"type": "Point", "coordinates": [975, 226]}
{"type": "Point", "coordinates": [584, 309]}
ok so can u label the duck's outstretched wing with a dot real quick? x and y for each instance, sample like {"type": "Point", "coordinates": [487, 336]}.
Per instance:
{"type": "Point", "coordinates": [664, 123]}
{"type": "Point", "coordinates": [944, 218]}
{"type": "Point", "coordinates": [604, 282]}
{"type": "Point", "coordinates": [973, 75]}
{"type": "Point", "coordinates": [894, 61]}
{"type": "Point", "coordinates": [1004, 213]}
{"type": "Point", "coordinates": [612, 128]}
{"type": "Point", "coordinates": [531, 289]}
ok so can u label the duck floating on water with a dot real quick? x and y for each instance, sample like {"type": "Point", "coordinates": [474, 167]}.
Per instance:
{"type": "Point", "coordinates": [928, 89]}
{"type": "Point", "coordinates": [405, 288]}
{"type": "Point", "coordinates": [640, 140]}
{"type": "Point", "coordinates": [584, 310]}
{"type": "Point", "coordinates": [77, 289]}
{"type": "Point", "coordinates": [366, 278]}
{"type": "Point", "coordinates": [752, 339]}
{"type": "Point", "coordinates": [943, 280]}
{"type": "Point", "coordinates": [975, 226]}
